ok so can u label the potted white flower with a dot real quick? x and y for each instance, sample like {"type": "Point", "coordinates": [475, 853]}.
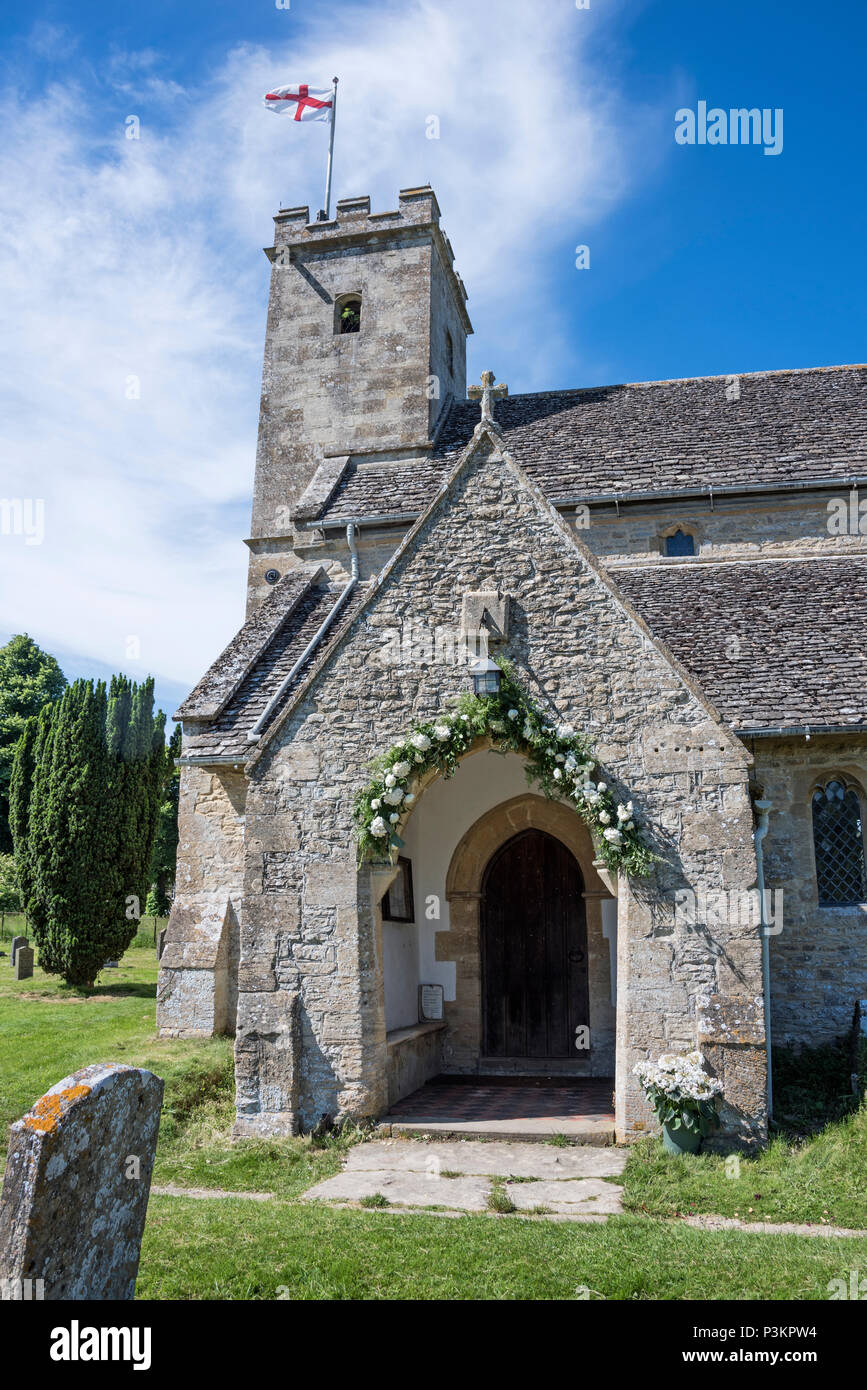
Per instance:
{"type": "Point", "coordinates": [683, 1097]}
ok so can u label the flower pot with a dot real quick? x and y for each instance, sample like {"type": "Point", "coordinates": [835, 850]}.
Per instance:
{"type": "Point", "coordinates": [680, 1141]}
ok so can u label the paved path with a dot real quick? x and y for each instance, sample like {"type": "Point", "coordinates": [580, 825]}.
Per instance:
{"type": "Point", "coordinates": [536, 1178]}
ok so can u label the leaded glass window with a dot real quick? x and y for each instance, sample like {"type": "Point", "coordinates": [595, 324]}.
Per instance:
{"type": "Point", "coordinates": [839, 844]}
{"type": "Point", "coordinates": [681, 543]}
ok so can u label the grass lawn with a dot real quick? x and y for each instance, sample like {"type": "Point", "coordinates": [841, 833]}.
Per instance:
{"type": "Point", "coordinates": [250, 1250]}
{"type": "Point", "coordinates": [823, 1180]}
{"type": "Point", "coordinates": [238, 1249]}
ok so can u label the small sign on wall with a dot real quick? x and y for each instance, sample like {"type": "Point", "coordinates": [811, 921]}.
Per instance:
{"type": "Point", "coordinates": [430, 1003]}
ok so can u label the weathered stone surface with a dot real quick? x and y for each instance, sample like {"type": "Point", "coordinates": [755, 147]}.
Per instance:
{"type": "Point", "coordinates": [404, 1189]}
{"type": "Point", "coordinates": [491, 1159]}
{"type": "Point", "coordinates": [77, 1180]}
{"type": "Point", "coordinates": [24, 963]}
{"type": "Point", "coordinates": [585, 1196]}
{"type": "Point", "coordinates": [16, 942]}
{"type": "Point", "coordinates": [818, 958]}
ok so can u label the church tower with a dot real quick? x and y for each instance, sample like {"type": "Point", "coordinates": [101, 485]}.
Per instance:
{"type": "Point", "coordinates": [365, 346]}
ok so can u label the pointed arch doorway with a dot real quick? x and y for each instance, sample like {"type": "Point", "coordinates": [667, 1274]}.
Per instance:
{"type": "Point", "coordinates": [533, 949]}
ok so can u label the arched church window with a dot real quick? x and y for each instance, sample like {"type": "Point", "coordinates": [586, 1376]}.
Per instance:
{"type": "Point", "coordinates": [348, 314]}
{"type": "Point", "coordinates": [680, 543]}
{"type": "Point", "coordinates": [838, 839]}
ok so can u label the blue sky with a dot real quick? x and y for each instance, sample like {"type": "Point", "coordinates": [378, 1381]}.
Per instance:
{"type": "Point", "coordinates": [140, 261]}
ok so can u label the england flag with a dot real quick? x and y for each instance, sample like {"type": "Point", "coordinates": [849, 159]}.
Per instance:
{"type": "Point", "coordinates": [303, 103]}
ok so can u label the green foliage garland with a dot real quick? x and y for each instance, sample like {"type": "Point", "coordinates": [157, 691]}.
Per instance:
{"type": "Point", "coordinates": [558, 760]}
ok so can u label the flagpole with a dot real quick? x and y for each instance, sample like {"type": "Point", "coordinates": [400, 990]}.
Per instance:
{"type": "Point", "coordinates": [330, 149]}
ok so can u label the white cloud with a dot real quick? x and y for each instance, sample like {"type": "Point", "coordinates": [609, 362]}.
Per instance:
{"type": "Point", "coordinates": [130, 264]}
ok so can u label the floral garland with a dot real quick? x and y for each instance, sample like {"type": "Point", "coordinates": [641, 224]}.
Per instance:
{"type": "Point", "coordinates": [558, 759]}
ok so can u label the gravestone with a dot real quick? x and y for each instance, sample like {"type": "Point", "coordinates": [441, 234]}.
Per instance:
{"type": "Point", "coordinates": [161, 942]}
{"type": "Point", "coordinates": [16, 942]}
{"type": "Point", "coordinates": [76, 1188]}
{"type": "Point", "coordinates": [24, 963]}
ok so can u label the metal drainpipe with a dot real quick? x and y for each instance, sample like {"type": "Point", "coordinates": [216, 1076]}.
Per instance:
{"type": "Point", "coordinates": [762, 809]}
{"type": "Point", "coordinates": [253, 734]}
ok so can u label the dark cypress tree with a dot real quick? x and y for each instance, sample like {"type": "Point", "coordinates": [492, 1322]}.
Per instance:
{"type": "Point", "coordinates": [20, 791]}
{"type": "Point", "coordinates": [29, 679]}
{"type": "Point", "coordinates": [85, 840]}
{"type": "Point", "coordinates": [162, 875]}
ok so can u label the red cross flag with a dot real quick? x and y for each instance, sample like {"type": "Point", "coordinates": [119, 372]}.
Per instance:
{"type": "Point", "coordinates": [303, 103]}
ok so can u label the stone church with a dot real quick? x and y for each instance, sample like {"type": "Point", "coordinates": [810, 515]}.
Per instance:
{"type": "Point", "coordinates": [676, 570]}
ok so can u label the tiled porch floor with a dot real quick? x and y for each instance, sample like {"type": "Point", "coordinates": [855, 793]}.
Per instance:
{"type": "Point", "coordinates": [522, 1108]}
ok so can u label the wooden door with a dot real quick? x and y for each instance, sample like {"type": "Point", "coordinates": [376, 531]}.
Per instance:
{"type": "Point", "coordinates": [533, 950]}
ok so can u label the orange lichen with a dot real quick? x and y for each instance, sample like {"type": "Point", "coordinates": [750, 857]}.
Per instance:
{"type": "Point", "coordinates": [48, 1110]}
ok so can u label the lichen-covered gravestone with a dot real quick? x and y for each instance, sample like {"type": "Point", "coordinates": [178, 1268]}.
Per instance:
{"type": "Point", "coordinates": [24, 963]}
{"type": "Point", "coordinates": [16, 942]}
{"type": "Point", "coordinates": [77, 1181]}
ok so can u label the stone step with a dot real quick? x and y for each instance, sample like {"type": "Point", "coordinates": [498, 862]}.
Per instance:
{"type": "Point", "coordinates": [491, 1159]}
{"type": "Point", "coordinates": [598, 1133]}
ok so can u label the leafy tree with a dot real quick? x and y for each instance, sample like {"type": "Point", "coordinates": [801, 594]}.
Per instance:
{"type": "Point", "coordinates": [84, 800]}
{"type": "Point", "coordinates": [10, 896]}
{"type": "Point", "coordinates": [29, 679]}
{"type": "Point", "coordinates": [165, 853]}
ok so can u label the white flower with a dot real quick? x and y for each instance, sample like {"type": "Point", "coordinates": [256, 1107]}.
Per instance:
{"type": "Point", "coordinates": [442, 732]}
{"type": "Point", "coordinates": [408, 799]}
{"type": "Point", "coordinates": [401, 769]}
{"type": "Point", "coordinates": [613, 836]}
{"type": "Point", "coordinates": [570, 763]}
{"type": "Point", "coordinates": [603, 816]}
{"type": "Point", "coordinates": [513, 714]}
{"type": "Point", "coordinates": [559, 758]}
{"type": "Point", "coordinates": [394, 817]}
{"type": "Point", "coordinates": [390, 780]}
{"type": "Point", "coordinates": [421, 742]}
{"type": "Point", "coordinates": [376, 803]}
{"type": "Point", "coordinates": [465, 718]}
{"type": "Point", "coordinates": [558, 776]}
{"type": "Point", "coordinates": [528, 731]}
{"type": "Point", "coordinates": [378, 827]}
{"type": "Point", "coordinates": [602, 786]}
{"type": "Point", "coordinates": [419, 758]}
{"type": "Point", "coordinates": [592, 798]}
{"type": "Point", "coordinates": [393, 797]}
{"type": "Point", "coordinates": [565, 731]}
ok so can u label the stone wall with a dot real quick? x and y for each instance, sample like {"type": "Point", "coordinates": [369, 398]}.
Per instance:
{"type": "Point", "coordinates": [745, 528]}
{"type": "Point", "coordinates": [309, 940]}
{"type": "Point", "coordinates": [819, 959]}
{"type": "Point", "coordinates": [198, 980]}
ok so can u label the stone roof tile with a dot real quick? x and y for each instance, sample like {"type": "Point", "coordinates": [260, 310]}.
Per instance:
{"type": "Point", "coordinates": [774, 644]}
{"type": "Point", "coordinates": [217, 685]}
{"type": "Point", "coordinates": [784, 427]}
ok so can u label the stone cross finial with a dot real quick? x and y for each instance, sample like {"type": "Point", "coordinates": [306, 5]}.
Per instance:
{"type": "Point", "coordinates": [486, 393]}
